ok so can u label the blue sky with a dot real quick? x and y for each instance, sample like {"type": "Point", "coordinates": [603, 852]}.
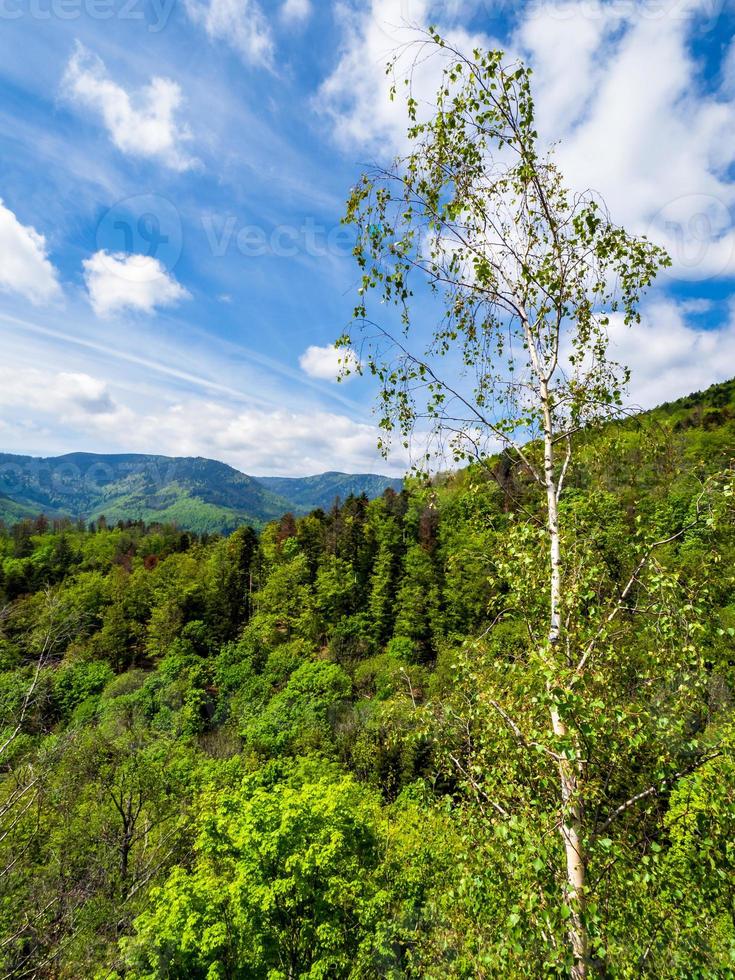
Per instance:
{"type": "Point", "coordinates": [173, 173]}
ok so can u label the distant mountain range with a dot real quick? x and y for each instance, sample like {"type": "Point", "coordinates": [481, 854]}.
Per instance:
{"type": "Point", "coordinates": [196, 493]}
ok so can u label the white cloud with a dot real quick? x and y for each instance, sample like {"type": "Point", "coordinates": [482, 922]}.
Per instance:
{"type": "Point", "coordinates": [295, 12]}
{"type": "Point", "coordinates": [143, 124]}
{"type": "Point", "coordinates": [621, 90]}
{"type": "Point", "coordinates": [56, 411]}
{"type": "Point", "coordinates": [254, 440]}
{"type": "Point", "coordinates": [325, 362]}
{"type": "Point", "coordinates": [118, 281]}
{"type": "Point", "coordinates": [240, 23]}
{"type": "Point", "coordinates": [616, 84]}
{"type": "Point", "coordinates": [63, 396]}
{"type": "Point", "coordinates": [286, 442]}
{"type": "Point", "coordinates": [562, 43]}
{"type": "Point", "coordinates": [728, 71]}
{"type": "Point", "coordinates": [668, 357]}
{"type": "Point", "coordinates": [697, 305]}
{"type": "Point", "coordinates": [355, 95]}
{"type": "Point", "coordinates": [24, 265]}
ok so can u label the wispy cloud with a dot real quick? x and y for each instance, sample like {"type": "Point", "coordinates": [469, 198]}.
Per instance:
{"type": "Point", "coordinates": [623, 93]}
{"type": "Point", "coordinates": [295, 12]}
{"type": "Point", "coordinates": [66, 395]}
{"type": "Point", "coordinates": [189, 362]}
{"type": "Point", "coordinates": [617, 88]}
{"type": "Point", "coordinates": [354, 96]}
{"type": "Point", "coordinates": [239, 23]}
{"type": "Point", "coordinates": [669, 356]}
{"type": "Point", "coordinates": [254, 440]}
{"type": "Point", "coordinates": [142, 124]}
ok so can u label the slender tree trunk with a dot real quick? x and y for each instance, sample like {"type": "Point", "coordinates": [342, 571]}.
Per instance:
{"type": "Point", "coordinates": [569, 779]}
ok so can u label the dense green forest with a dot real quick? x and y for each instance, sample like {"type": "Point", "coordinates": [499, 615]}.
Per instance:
{"type": "Point", "coordinates": [292, 754]}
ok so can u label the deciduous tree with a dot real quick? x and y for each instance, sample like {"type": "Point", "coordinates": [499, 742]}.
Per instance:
{"type": "Point", "coordinates": [531, 275]}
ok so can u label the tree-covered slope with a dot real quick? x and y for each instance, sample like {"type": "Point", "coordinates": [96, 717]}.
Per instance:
{"type": "Point", "coordinates": [196, 493]}
{"type": "Point", "coordinates": [309, 492]}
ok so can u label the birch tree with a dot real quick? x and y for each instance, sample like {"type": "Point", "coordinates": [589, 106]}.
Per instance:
{"type": "Point", "coordinates": [530, 276]}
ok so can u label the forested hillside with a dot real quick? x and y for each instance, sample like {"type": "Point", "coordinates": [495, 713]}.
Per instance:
{"type": "Point", "coordinates": [309, 492]}
{"type": "Point", "coordinates": [287, 756]}
{"type": "Point", "coordinates": [201, 495]}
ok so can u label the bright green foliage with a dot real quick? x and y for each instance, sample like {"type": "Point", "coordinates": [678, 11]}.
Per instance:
{"type": "Point", "coordinates": [580, 723]}
{"type": "Point", "coordinates": [223, 728]}
{"type": "Point", "coordinates": [283, 884]}
{"type": "Point", "coordinates": [298, 717]}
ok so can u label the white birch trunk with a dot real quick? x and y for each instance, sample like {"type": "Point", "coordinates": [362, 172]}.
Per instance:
{"type": "Point", "coordinates": [571, 810]}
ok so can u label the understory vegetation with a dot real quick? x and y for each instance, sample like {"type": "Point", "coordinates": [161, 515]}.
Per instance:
{"type": "Point", "coordinates": [322, 751]}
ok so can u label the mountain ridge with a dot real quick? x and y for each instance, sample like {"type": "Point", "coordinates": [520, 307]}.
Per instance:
{"type": "Point", "coordinates": [195, 492]}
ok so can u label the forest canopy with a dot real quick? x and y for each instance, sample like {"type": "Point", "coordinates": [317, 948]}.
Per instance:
{"type": "Point", "coordinates": [279, 756]}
